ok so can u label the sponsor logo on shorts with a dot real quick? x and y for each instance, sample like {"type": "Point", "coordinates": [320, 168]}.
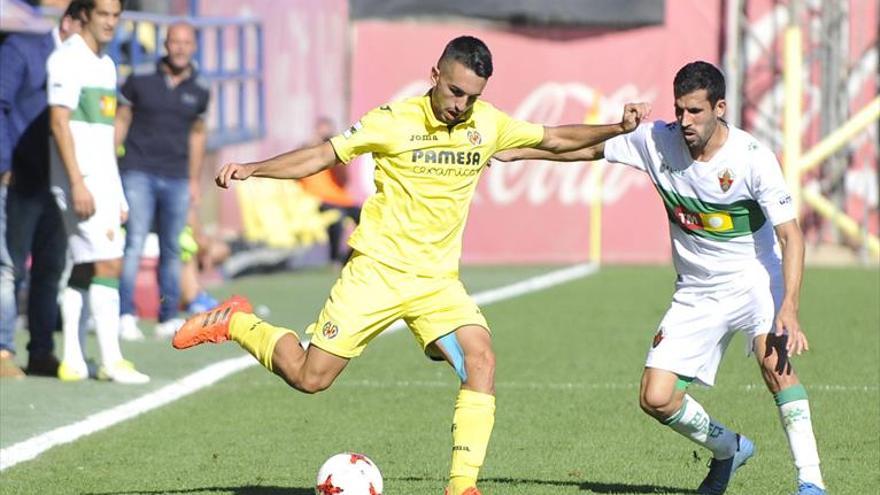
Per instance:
{"type": "Point", "coordinates": [330, 330]}
{"type": "Point", "coordinates": [110, 234]}
{"type": "Point", "coordinates": [658, 337]}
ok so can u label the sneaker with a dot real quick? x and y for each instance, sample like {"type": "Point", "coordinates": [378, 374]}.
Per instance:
{"type": "Point", "coordinates": [720, 471]}
{"type": "Point", "coordinates": [42, 365]}
{"type": "Point", "coordinates": [123, 371]}
{"type": "Point", "coordinates": [8, 368]}
{"type": "Point", "coordinates": [202, 302]}
{"type": "Point", "coordinates": [128, 328]}
{"type": "Point", "coordinates": [210, 326]}
{"type": "Point", "coordinates": [70, 372]}
{"type": "Point", "coordinates": [809, 489]}
{"type": "Point", "coordinates": [166, 329]}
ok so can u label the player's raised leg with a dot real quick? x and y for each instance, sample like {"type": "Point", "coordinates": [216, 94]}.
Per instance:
{"type": "Point", "coordinates": [664, 396]}
{"type": "Point", "coordinates": [794, 411]}
{"type": "Point", "coordinates": [278, 349]}
{"type": "Point", "coordinates": [469, 351]}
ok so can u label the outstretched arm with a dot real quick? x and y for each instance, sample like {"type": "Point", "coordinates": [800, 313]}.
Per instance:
{"type": "Point", "coordinates": [295, 164]}
{"type": "Point", "coordinates": [564, 138]}
{"type": "Point", "coordinates": [792, 242]}
{"type": "Point", "coordinates": [596, 152]}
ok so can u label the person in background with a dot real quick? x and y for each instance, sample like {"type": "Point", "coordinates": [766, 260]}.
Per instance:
{"type": "Point", "coordinates": [30, 222]}
{"type": "Point", "coordinates": [329, 186]}
{"type": "Point", "coordinates": [85, 181]}
{"type": "Point", "coordinates": [161, 123]}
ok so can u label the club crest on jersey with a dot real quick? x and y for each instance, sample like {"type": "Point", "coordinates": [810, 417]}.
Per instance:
{"type": "Point", "coordinates": [330, 330]}
{"type": "Point", "coordinates": [475, 138]}
{"type": "Point", "coordinates": [725, 179]}
{"type": "Point", "coordinates": [658, 337]}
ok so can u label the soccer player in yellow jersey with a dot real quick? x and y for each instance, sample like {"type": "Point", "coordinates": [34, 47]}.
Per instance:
{"type": "Point", "coordinates": [429, 153]}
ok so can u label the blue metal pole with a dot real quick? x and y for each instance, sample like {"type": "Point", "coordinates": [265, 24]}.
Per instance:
{"type": "Point", "coordinates": [242, 69]}
{"type": "Point", "coordinates": [260, 83]}
{"type": "Point", "coordinates": [221, 90]}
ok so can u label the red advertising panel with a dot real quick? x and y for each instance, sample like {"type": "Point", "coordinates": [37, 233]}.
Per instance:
{"type": "Point", "coordinates": [539, 212]}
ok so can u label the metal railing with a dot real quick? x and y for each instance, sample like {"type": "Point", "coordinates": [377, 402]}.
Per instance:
{"type": "Point", "coordinates": [237, 112]}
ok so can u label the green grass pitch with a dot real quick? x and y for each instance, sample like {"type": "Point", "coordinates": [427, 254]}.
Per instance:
{"type": "Point", "coordinates": [568, 421]}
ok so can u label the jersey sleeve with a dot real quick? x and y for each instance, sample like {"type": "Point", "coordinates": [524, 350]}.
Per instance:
{"type": "Point", "coordinates": [515, 133]}
{"type": "Point", "coordinates": [770, 188]}
{"type": "Point", "coordinates": [629, 149]}
{"type": "Point", "coordinates": [64, 84]}
{"type": "Point", "coordinates": [373, 133]}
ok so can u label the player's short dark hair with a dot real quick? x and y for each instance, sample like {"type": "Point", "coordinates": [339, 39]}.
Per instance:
{"type": "Point", "coordinates": [700, 75]}
{"type": "Point", "coordinates": [87, 6]}
{"type": "Point", "coordinates": [470, 52]}
{"type": "Point", "coordinates": [78, 9]}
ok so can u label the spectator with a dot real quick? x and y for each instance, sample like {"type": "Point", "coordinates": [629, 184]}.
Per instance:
{"type": "Point", "coordinates": [85, 179]}
{"type": "Point", "coordinates": [161, 124]}
{"type": "Point", "coordinates": [24, 196]}
{"type": "Point", "coordinates": [329, 186]}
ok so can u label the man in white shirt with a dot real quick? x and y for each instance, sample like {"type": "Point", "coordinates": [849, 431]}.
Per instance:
{"type": "Point", "coordinates": [727, 204]}
{"type": "Point", "coordinates": [85, 180]}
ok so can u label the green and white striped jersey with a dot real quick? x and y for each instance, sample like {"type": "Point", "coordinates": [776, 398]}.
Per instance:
{"type": "Point", "coordinates": [86, 83]}
{"type": "Point", "coordinates": [721, 212]}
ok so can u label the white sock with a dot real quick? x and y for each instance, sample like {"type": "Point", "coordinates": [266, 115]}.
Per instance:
{"type": "Point", "coordinates": [692, 422]}
{"type": "Point", "coordinates": [104, 301]}
{"type": "Point", "coordinates": [71, 311]}
{"type": "Point", "coordinates": [798, 426]}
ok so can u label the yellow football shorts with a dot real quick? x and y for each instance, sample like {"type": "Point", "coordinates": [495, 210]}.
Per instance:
{"type": "Point", "coordinates": [369, 296]}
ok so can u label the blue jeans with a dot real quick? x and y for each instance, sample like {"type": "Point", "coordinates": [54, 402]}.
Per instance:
{"type": "Point", "coordinates": [35, 228]}
{"type": "Point", "coordinates": [8, 310]}
{"type": "Point", "coordinates": [167, 200]}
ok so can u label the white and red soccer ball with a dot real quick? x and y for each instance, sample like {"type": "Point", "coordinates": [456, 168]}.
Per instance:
{"type": "Point", "coordinates": [349, 474]}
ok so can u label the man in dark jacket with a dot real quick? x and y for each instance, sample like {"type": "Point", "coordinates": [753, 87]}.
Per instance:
{"type": "Point", "coordinates": [30, 223]}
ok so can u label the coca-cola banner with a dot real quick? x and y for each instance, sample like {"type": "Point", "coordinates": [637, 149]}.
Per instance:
{"type": "Point", "coordinates": [538, 211]}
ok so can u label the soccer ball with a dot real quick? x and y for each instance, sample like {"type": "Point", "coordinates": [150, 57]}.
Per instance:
{"type": "Point", "coordinates": [349, 474]}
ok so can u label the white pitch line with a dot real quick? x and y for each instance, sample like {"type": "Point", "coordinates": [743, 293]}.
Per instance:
{"type": "Point", "coordinates": [566, 386]}
{"type": "Point", "coordinates": [34, 446]}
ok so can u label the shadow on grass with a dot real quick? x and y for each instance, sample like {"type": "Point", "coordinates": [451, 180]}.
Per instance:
{"type": "Point", "coordinates": [588, 486]}
{"type": "Point", "coordinates": [237, 490]}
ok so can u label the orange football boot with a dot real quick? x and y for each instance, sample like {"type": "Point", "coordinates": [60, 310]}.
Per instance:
{"type": "Point", "coordinates": [210, 326]}
{"type": "Point", "coordinates": [470, 491]}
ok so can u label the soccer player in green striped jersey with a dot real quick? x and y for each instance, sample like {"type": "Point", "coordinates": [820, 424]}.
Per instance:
{"type": "Point", "coordinates": [738, 253]}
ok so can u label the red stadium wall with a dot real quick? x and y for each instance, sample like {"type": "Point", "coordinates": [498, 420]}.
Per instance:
{"type": "Point", "coordinates": [533, 212]}
{"type": "Point", "coordinates": [306, 71]}
{"type": "Point", "coordinates": [317, 63]}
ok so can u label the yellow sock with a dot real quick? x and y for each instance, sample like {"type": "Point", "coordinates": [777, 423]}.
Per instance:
{"type": "Point", "coordinates": [471, 428]}
{"type": "Point", "coordinates": [257, 336]}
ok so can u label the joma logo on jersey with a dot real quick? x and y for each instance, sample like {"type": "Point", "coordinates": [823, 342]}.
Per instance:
{"type": "Point", "coordinates": [423, 137]}
{"type": "Point", "coordinates": [446, 157]}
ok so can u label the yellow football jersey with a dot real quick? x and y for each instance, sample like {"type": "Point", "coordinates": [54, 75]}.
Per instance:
{"type": "Point", "coordinates": [426, 174]}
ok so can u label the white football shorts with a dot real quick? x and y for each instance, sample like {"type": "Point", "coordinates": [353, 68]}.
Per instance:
{"type": "Point", "coordinates": [700, 323]}
{"type": "Point", "coordinates": [100, 236]}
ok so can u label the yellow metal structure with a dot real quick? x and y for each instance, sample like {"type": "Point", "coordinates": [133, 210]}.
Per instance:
{"type": "Point", "coordinates": [794, 163]}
